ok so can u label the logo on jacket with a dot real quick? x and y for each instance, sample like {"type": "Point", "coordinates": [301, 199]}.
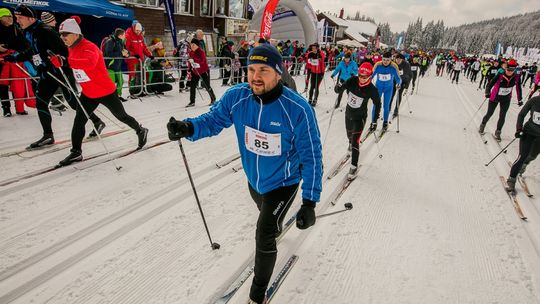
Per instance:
{"type": "Point", "coordinates": [275, 124]}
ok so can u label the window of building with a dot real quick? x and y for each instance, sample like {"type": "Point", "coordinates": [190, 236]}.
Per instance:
{"type": "Point", "coordinates": [142, 2]}
{"type": "Point", "coordinates": [206, 7]}
{"type": "Point", "coordinates": [220, 7]}
{"type": "Point", "coordinates": [184, 6]}
{"type": "Point", "coordinates": [237, 8]}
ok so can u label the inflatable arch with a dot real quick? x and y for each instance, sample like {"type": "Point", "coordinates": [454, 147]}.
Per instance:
{"type": "Point", "coordinates": [293, 20]}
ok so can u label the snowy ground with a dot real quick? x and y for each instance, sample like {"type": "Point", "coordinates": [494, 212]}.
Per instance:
{"type": "Point", "coordinates": [430, 223]}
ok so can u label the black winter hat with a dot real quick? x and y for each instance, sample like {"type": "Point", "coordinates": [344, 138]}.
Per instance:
{"type": "Point", "coordinates": [196, 41]}
{"type": "Point", "coordinates": [268, 55]}
{"type": "Point", "coordinates": [27, 11]}
{"type": "Point", "coordinates": [387, 55]}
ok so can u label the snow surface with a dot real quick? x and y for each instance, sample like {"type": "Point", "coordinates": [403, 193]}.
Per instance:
{"type": "Point", "coordinates": [430, 223]}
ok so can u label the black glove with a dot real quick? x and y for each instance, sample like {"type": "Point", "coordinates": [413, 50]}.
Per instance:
{"type": "Point", "coordinates": [151, 57]}
{"type": "Point", "coordinates": [10, 58]}
{"type": "Point", "coordinates": [488, 95]}
{"type": "Point", "coordinates": [337, 87]}
{"type": "Point", "coordinates": [137, 56]}
{"type": "Point", "coordinates": [520, 103]}
{"type": "Point", "coordinates": [179, 128]}
{"type": "Point", "coordinates": [518, 134]}
{"type": "Point", "coordinates": [305, 217]}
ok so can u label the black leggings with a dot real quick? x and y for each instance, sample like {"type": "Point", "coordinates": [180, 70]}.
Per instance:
{"type": "Point", "coordinates": [112, 103]}
{"type": "Point", "coordinates": [315, 82]}
{"type": "Point", "coordinates": [354, 127]}
{"type": "Point", "coordinates": [492, 105]}
{"type": "Point", "coordinates": [529, 148]}
{"type": "Point", "coordinates": [46, 88]}
{"type": "Point", "coordinates": [205, 83]}
{"type": "Point", "coordinates": [4, 96]}
{"type": "Point", "coordinates": [273, 207]}
{"type": "Point", "coordinates": [456, 76]}
{"type": "Point", "coordinates": [340, 95]}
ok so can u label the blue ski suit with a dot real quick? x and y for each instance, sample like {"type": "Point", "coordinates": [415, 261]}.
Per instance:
{"type": "Point", "coordinates": [279, 141]}
{"type": "Point", "coordinates": [384, 77]}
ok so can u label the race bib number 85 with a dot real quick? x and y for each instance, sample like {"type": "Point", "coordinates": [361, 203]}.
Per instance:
{"type": "Point", "coordinates": [263, 144]}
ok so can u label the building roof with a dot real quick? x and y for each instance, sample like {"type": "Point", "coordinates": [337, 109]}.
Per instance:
{"type": "Point", "coordinates": [338, 21]}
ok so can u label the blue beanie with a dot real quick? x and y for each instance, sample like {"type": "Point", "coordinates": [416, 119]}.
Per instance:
{"type": "Point", "coordinates": [266, 54]}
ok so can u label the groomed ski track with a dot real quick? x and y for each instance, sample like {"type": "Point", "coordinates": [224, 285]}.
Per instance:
{"type": "Point", "coordinates": [430, 224]}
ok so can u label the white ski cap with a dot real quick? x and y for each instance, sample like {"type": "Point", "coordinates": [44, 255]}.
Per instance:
{"type": "Point", "coordinates": [70, 26]}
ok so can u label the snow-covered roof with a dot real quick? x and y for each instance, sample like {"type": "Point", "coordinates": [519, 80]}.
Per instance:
{"type": "Point", "coordinates": [340, 22]}
{"type": "Point", "coordinates": [361, 27]}
{"type": "Point", "coordinates": [356, 36]}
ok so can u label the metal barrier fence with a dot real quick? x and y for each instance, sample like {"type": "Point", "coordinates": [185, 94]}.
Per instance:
{"type": "Point", "coordinates": [175, 70]}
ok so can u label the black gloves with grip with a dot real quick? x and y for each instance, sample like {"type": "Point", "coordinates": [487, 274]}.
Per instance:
{"type": "Point", "coordinates": [518, 134]}
{"type": "Point", "coordinates": [179, 129]}
{"type": "Point", "coordinates": [305, 217]}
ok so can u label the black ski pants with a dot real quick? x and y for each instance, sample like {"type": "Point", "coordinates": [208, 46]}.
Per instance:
{"type": "Point", "coordinates": [4, 96]}
{"type": "Point", "coordinates": [340, 95]}
{"type": "Point", "coordinates": [456, 76]}
{"type": "Point", "coordinates": [45, 89]}
{"type": "Point", "coordinates": [531, 77]}
{"type": "Point", "coordinates": [529, 148]}
{"type": "Point", "coordinates": [205, 83]}
{"type": "Point", "coordinates": [112, 102]}
{"type": "Point", "coordinates": [492, 105]}
{"type": "Point", "coordinates": [354, 127]}
{"type": "Point", "coordinates": [473, 75]}
{"type": "Point", "coordinates": [273, 207]}
{"type": "Point", "coordinates": [315, 82]}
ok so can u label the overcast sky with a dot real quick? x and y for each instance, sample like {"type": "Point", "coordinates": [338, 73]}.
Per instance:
{"type": "Point", "coordinates": [453, 12]}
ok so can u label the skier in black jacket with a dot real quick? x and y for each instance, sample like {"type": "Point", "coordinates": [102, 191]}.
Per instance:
{"type": "Point", "coordinates": [43, 39]}
{"type": "Point", "coordinates": [406, 75]}
{"type": "Point", "coordinates": [529, 139]}
{"type": "Point", "coordinates": [360, 89]}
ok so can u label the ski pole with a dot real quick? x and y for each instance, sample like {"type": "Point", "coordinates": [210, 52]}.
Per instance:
{"type": "Point", "coordinates": [377, 144]}
{"type": "Point", "coordinates": [408, 104]}
{"type": "Point", "coordinates": [503, 150]}
{"type": "Point", "coordinates": [212, 244]}
{"type": "Point", "coordinates": [330, 122]}
{"type": "Point", "coordinates": [83, 109]}
{"type": "Point", "coordinates": [477, 110]}
{"type": "Point", "coordinates": [348, 206]}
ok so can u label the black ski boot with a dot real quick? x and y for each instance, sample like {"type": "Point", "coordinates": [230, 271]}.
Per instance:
{"type": "Point", "coordinates": [142, 134]}
{"type": "Point", "coordinates": [373, 127]}
{"type": "Point", "coordinates": [191, 104]}
{"type": "Point", "coordinates": [511, 184]}
{"type": "Point", "coordinates": [481, 128]}
{"type": "Point", "coordinates": [99, 127]}
{"type": "Point", "coordinates": [47, 139]}
{"type": "Point", "coordinates": [353, 171]}
{"type": "Point", "coordinates": [497, 135]}
{"type": "Point", "coordinates": [74, 156]}
{"type": "Point", "coordinates": [384, 126]}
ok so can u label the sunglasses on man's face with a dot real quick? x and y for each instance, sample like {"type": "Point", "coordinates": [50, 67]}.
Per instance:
{"type": "Point", "coordinates": [510, 69]}
{"type": "Point", "coordinates": [64, 34]}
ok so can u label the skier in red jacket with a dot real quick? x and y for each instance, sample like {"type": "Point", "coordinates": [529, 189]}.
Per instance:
{"type": "Point", "coordinates": [199, 70]}
{"type": "Point", "coordinates": [21, 88]}
{"type": "Point", "coordinates": [316, 67]}
{"type": "Point", "coordinates": [137, 48]}
{"type": "Point", "coordinates": [97, 88]}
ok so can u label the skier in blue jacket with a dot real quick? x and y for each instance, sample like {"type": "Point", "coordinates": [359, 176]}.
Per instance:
{"type": "Point", "coordinates": [346, 68]}
{"type": "Point", "coordinates": [385, 74]}
{"type": "Point", "coordinates": [279, 142]}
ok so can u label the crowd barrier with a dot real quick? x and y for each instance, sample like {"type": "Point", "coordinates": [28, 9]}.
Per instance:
{"type": "Point", "coordinates": [139, 78]}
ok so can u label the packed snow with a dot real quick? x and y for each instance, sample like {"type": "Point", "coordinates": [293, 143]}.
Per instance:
{"type": "Point", "coordinates": [430, 223]}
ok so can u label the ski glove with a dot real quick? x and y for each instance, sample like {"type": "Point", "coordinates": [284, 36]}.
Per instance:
{"type": "Point", "coordinates": [305, 217]}
{"type": "Point", "coordinates": [488, 95]}
{"type": "Point", "coordinates": [179, 129]}
{"type": "Point", "coordinates": [518, 134]}
{"type": "Point", "coordinates": [520, 103]}
{"type": "Point", "coordinates": [10, 58]}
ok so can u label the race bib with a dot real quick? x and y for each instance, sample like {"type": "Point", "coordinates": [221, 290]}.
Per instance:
{"type": "Point", "coordinates": [400, 72]}
{"type": "Point", "coordinates": [263, 144]}
{"type": "Point", "coordinates": [414, 68]}
{"type": "Point", "coordinates": [354, 101]}
{"type": "Point", "coordinates": [313, 61]}
{"type": "Point", "coordinates": [493, 71]}
{"type": "Point", "coordinates": [36, 60]}
{"type": "Point", "coordinates": [385, 77]}
{"type": "Point", "coordinates": [536, 118]}
{"type": "Point", "coordinates": [504, 91]}
{"type": "Point", "coordinates": [80, 76]}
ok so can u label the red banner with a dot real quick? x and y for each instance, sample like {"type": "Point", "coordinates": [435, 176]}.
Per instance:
{"type": "Point", "coordinates": [266, 24]}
